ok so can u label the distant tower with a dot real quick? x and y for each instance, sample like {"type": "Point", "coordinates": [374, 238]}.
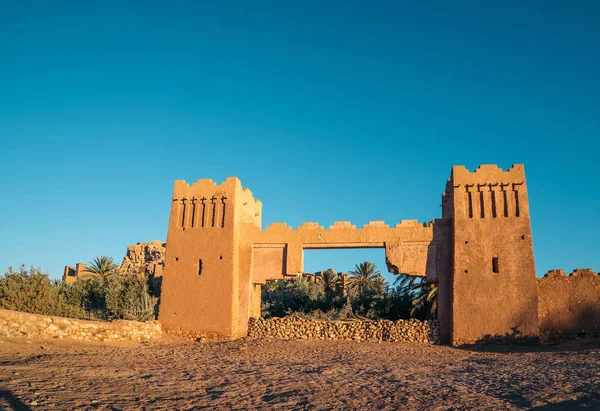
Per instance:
{"type": "Point", "coordinates": [493, 289]}
{"type": "Point", "coordinates": [202, 289]}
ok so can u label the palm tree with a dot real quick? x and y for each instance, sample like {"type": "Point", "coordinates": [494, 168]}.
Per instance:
{"type": "Point", "coordinates": [424, 295]}
{"type": "Point", "coordinates": [365, 277]}
{"type": "Point", "coordinates": [102, 266]}
{"type": "Point", "coordinates": [330, 282]}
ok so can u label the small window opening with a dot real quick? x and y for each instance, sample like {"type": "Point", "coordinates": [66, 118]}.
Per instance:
{"type": "Point", "coordinates": [522, 237]}
{"type": "Point", "coordinates": [183, 214]}
{"type": "Point", "coordinates": [193, 212]}
{"type": "Point", "coordinates": [481, 205]}
{"type": "Point", "coordinates": [176, 258]}
{"type": "Point", "coordinates": [200, 267]}
{"type": "Point", "coordinates": [470, 197]}
{"type": "Point", "coordinates": [495, 265]}
{"type": "Point", "coordinates": [494, 214]}
{"type": "Point", "coordinates": [466, 242]}
{"type": "Point", "coordinates": [220, 257]}
{"type": "Point", "coordinates": [466, 271]}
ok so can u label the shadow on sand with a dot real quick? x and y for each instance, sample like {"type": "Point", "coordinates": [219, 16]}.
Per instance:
{"type": "Point", "coordinates": [581, 344]}
{"type": "Point", "coordinates": [14, 403]}
{"type": "Point", "coordinates": [591, 402]}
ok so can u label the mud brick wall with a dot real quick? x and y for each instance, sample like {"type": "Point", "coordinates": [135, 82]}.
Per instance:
{"type": "Point", "coordinates": [569, 305]}
{"type": "Point", "coordinates": [413, 331]}
{"type": "Point", "coordinates": [19, 324]}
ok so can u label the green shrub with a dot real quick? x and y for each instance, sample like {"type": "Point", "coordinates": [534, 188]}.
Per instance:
{"type": "Point", "coordinates": [128, 297]}
{"type": "Point", "coordinates": [89, 292]}
{"type": "Point", "coordinates": [114, 296]}
{"type": "Point", "coordinates": [33, 292]}
{"type": "Point", "coordinates": [308, 299]}
{"type": "Point", "coordinates": [282, 297]}
{"type": "Point", "coordinates": [334, 314]}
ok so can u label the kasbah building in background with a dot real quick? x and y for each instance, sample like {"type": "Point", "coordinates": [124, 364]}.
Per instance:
{"type": "Point", "coordinates": [480, 253]}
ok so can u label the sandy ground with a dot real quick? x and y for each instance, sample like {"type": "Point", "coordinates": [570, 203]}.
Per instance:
{"type": "Point", "coordinates": [276, 374]}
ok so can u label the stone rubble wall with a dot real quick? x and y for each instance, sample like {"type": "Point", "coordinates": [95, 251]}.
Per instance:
{"type": "Point", "coordinates": [20, 324]}
{"type": "Point", "coordinates": [294, 328]}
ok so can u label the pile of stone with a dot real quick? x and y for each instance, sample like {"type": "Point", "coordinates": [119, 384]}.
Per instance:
{"type": "Point", "coordinates": [295, 328]}
{"type": "Point", "coordinates": [19, 324]}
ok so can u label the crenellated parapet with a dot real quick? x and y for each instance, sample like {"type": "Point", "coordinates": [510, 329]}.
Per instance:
{"type": "Point", "coordinates": [489, 192]}
{"type": "Point", "coordinates": [250, 209]}
{"type": "Point", "coordinates": [344, 226]}
{"type": "Point", "coordinates": [555, 274]}
{"type": "Point", "coordinates": [576, 273]}
{"type": "Point", "coordinates": [342, 234]}
{"type": "Point", "coordinates": [278, 249]}
{"type": "Point", "coordinates": [206, 204]}
{"type": "Point", "coordinates": [515, 173]}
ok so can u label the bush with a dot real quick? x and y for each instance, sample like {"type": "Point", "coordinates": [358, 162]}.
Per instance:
{"type": "Point", "coordinates": [115, 296]}
{"type": "Point", "coordinates": [33, 292]}
{"type": "Point", "coordinates": [309, 300]}
{"type": "Point", "coordinates": [128, 297]}
{"type": "Point", "coordinates": [282, 297]}
{"type": "Point", "coordinates": [334, 314]}
{"type": "Point", "coordinates": [88, 292]}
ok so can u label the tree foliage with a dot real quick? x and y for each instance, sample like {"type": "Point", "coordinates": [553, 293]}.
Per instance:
{"type": "Point", "coordinates": [33, 292]}
{"type": "Point", "coordinates": [424, 296]}
{"type": "Point", "coordinates": [102, 266]}
{"type": "Point", "coordinates": [106, 296]}
{"type": "Point", "coordinates": [368, 296]}
{"type": "Point", "coordinates": [128, 297]}
{"type": "Point", "coordinates": [365, 278]}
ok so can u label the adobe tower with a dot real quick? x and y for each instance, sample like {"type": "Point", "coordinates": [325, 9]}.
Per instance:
{"type": "Point", "coordinates": [493, 285]}
{"type": "Point", "coordinates": [201, 284]}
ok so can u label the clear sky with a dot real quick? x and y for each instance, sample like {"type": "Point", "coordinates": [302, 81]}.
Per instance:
{"type": "Point", "coordinates": [326, 110]}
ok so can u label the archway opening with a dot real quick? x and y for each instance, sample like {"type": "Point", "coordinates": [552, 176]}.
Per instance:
{"type": "Point", "coordinates": [328, 290]}
{"type": "Point", "coordinates": [344, 260]}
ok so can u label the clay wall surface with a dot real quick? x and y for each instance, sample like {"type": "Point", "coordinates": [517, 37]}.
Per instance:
{"type": "Point", "coordinates": [19, 324]}
{"type": "Point", "coordinates": [494, 289]}
{"type": "Point", "coordinates": [294, 328]}
{"type": "Point", "coordinates": [279, 249]}
{"type": "Point", "coordinates": [569, 305]}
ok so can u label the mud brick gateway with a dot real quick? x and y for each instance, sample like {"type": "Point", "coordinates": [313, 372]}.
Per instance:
{"type": "Point", "coordinates": [479, 252]}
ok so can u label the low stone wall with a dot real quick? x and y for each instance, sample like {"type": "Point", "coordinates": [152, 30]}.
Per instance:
{"type": "Point", "coordinates": [569, 305]}
{"type": "Point", "coordinates": [19, 324]}
{"type": "Point", "coordinates": [413, 331]}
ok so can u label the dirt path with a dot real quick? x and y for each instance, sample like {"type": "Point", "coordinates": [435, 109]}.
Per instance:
{"type": "Point", "coordinates": [258, 374]}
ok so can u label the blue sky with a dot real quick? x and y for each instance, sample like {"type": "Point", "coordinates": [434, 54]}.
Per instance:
{"type": "Point", "coordinates": [326, 110]}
